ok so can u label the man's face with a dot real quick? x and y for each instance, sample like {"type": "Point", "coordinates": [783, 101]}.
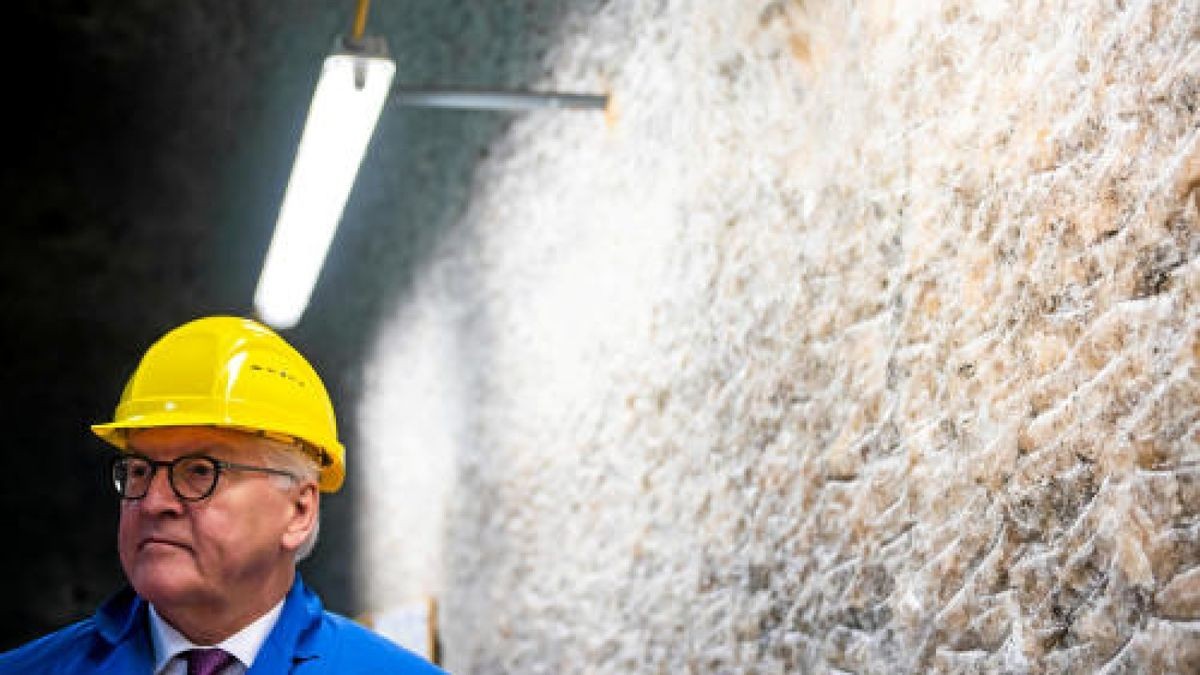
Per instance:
{"type": "Point", "coordinates": [218, 553]}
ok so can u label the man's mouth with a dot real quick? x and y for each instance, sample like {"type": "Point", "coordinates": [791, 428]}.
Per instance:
{"type": "Point", "coordinates": [161, 542]}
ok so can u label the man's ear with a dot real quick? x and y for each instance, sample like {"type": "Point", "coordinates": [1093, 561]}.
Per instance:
{"type": "Point", "coordinates": [305, 503]}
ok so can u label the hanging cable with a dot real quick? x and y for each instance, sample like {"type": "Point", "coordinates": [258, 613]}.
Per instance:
{"type": "Point", "coordinates": [360, 20]}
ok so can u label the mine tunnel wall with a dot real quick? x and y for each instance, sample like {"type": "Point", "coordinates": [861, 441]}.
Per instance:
{"type": "Point", "coordinates": [855, 336]}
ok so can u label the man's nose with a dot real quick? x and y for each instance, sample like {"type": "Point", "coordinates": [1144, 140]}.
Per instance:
{"type": "Point", "coordinates": [159, 495]}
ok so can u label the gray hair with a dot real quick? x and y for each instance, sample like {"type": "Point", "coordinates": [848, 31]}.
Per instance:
{"type": "Point", "coordinates": [296, 459]}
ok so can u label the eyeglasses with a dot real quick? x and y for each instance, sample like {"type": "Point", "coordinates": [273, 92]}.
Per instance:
{"type": "Point", "coordinates": [192, 477]}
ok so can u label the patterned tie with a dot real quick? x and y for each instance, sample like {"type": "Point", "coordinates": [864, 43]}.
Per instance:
{"type": "Point", "coordinates": [207, 661]}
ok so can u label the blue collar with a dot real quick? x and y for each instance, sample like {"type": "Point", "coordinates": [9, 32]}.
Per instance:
{"type": "Point", "coordinates": [120, 614]}
{"type": "Point", "coordinates": [294, 638]}
{"type": "Point", "coordinates": [124, 616]}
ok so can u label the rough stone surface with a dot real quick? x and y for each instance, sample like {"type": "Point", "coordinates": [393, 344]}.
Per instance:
{"type": "Point", "coordinates": [855, 337]}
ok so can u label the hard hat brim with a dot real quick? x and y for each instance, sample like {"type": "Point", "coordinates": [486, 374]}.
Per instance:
{"type": "Point", "coordinates": [332, 474]}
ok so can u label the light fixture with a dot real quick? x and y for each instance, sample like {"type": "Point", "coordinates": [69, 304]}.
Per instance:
{"type": "Point", "coordinates": [354, 84]}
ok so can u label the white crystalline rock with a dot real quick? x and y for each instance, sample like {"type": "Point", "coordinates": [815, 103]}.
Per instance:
{"type": "Point", "coordinates": [854, 337]}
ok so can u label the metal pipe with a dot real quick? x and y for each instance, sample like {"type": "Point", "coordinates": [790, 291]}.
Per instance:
{"type": "Point", "coordinates": [477, 99]}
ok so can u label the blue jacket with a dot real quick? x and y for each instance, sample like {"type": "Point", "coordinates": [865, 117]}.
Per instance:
{"type": "Point", "coordinates": [306, 640]}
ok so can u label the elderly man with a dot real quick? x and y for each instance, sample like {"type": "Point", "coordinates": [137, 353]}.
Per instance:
{"type": "Point", "coordinates": [226, 438]}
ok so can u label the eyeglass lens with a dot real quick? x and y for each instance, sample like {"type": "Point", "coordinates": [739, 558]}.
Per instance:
{"type": "Point", "coordinates": [191, 477]}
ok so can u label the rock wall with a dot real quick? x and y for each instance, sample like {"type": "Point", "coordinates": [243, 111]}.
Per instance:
{"type": "Point", "coordinates": [856, 336]}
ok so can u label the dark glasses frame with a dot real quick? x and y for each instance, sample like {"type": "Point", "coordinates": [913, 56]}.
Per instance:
{"type": "Point", "coordinates": [123, 464]}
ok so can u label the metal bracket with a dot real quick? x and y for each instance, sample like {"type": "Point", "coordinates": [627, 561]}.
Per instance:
{"type": "Point", "coordinates": [483, 99]}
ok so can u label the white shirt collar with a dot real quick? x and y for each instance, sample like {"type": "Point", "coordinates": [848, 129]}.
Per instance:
{"type": "Point", "coordinates": [243, 645]}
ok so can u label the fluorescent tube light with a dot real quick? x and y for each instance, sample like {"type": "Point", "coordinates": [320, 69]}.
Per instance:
{"type": "Point", "coordinates": [345, 108]}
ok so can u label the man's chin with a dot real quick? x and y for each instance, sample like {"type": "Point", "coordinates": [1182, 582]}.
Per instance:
{"type": "Point", "coordinates": [165, 584]}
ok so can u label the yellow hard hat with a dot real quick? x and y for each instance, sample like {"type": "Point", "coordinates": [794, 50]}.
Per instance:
{"type": "Point", "coordinates": [234, 373]}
